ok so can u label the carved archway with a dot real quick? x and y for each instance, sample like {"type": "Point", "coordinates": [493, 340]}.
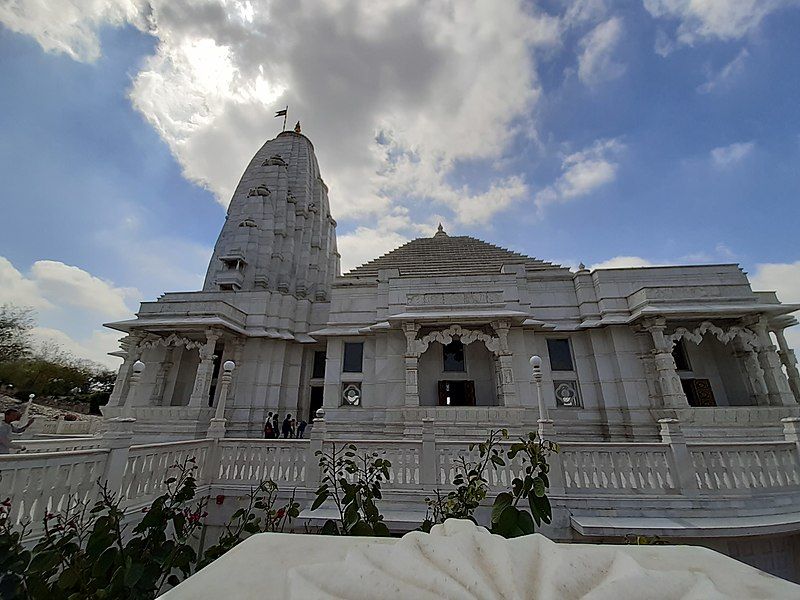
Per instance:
{"type": "Point", "coordinates": [747, 337]}
{"type": "Point", "coordinates": [417, 346]}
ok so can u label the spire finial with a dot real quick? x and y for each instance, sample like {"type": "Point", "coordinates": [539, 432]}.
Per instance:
{"type": "Point", "coordinates": [440, 231]}
{"type": "Point", "coordinates": [297, 127]}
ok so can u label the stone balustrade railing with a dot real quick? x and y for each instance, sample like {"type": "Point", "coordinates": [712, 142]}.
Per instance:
{"type": "Point", "coordinates": [43, 482]}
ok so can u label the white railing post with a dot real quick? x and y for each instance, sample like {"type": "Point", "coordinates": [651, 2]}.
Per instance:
{"type": "Point", "coordinates": [684, 475]}
{"type": "Point", "coordinates": [216, 428]}
{"type": "Point", "coordinates": [118, 438]}
{"type": "Point", "coordinates": [313, 474]}
{"type": "Point", "coordinates": [429, 456]}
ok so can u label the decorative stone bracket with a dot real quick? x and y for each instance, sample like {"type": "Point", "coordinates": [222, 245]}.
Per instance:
{"type": "Point", "coordinates": [415, 347]}
{"type": "Point", "coordinates": [746, 336]}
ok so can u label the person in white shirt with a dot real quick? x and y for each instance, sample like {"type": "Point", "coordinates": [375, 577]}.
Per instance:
{"type": "Point", "coordinates": [6, 429]}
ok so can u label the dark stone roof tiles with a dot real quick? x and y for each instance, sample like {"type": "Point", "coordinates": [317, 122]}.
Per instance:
{"type": "Point", "coordinates": [443, 255]}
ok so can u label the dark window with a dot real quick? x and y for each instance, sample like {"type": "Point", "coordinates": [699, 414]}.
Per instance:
{"type": "Point", "coordinates": [680, 356]}
{"type": "Point", "coordinates": [456, 393]}
{"type": "Point", "coordinates": [318, 371]}
{"type": "Point", "coordinates": [212, 390]}
{"type": "Point", "coordinates": [453, 355]}
{"type": "Point", "coordinates": [560, 355]}
{"type": "Point", "coordinates": [353, 356]}
{"type": "Point", "coordinates": [317, 392]}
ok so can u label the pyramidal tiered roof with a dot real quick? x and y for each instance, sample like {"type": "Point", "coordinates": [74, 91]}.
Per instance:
{"type": "Point", "coordinates": [448, 255]}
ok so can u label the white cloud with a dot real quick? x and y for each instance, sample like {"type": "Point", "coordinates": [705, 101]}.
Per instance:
{"type": "Point", "coordinates": [70, 26]}
{"type": "Point", "coordinates": [620, 262]}
{"type": "Point", "coordinates": [596, 63]}
{"type": "Point", "coordinates": [396, 95]}
{"type": "Point", "coordinates": [701, 20]}
{"type": "Point", "coordinates": [726, 74]}
{"type": "Point", "coordinates": [17, 289]}
{"type": "Point", "coordinates": [70, 297]}
{"type": "Point", "coordinates": [783, 278]}
{"type": "Point", "coordinates": [727, 156]}
{"type": "Point", "coordinates": [582, 173]}
{"type": "Point", "coordinates": [390, 232]}
{"type": "Point", "coordinates": [67, 285]}
{"type": "Point", "coordinates": [95, 347]}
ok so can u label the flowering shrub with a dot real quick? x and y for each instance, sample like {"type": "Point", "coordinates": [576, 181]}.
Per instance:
{"type": "Point", "coordinates": [354, 484]}
{"type": "Point", "coordinates": [470, 481]}
{"type": "Point", "coordinates": [247, 520]}
{"type": "Point", "coordinates": [92, 553]}
{"type": "Point", "coordinates": [510, 521]}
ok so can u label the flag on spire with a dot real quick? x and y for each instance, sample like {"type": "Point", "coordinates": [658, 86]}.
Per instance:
{"type": "Point", "coordinates": [282, 113]}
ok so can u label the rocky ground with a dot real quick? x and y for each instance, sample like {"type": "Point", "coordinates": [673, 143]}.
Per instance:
{"type": "Point", "coordinates": [50, 409]}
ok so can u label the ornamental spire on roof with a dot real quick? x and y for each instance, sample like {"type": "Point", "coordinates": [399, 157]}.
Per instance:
{"type": "Point", "coordinates": [440, 232]}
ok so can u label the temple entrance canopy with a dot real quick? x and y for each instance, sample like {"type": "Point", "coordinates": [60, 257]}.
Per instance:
{"type": "Point", "coordinates": [456, 366]}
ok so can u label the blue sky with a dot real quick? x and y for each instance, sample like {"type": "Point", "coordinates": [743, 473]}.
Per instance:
{"type": "Point", "coordinates": [614, 134]}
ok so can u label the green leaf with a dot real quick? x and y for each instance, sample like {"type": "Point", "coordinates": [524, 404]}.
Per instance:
{"type": "Point", "coordinates": [507, 520]}
{"type": "Point", "coordinates": [498, 461]}
{"type": "Point", "coordinates": [104, 562]}
{"type": "Point", "coordinates": [538, 487]}
{"type": "Point", "coordinates": [329, 528]}
{"type": "Point", "coordinates": [133, 573]}
{"type": "Point", "coordinates": [319, 500]}
{"type": "Point", "coordinates": [68, 578]}
{"type": "Point", "coordinates": [43, 562]}
{"type": "Point", "coordinates": [525, 522]}
{"type": "Point", "coordinates": [361, 528]}
{"type": "Point", "coordinates": [500, 503]}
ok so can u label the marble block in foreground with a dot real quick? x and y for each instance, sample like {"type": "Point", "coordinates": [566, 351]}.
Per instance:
{"type": "Point", "coordinates": [459, 560]}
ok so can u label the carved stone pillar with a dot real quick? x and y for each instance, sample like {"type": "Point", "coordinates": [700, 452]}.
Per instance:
{"type": "Point", "coordinates": [778, 389]}
{"type": "Point", "coordinates": [412, 381]}
{"type": "Point", "coordinates": [668, 383]}
{"type": "Point", "coordinates": [131, 346]}
{"type": "Point", "coordinates": [412, 364]}
{"type": "Point", "coordinates": [505, 362]}
{"type": "Point", "coordinates": [157, 397]}
{"type": "Point", "coordinates": [202, 381]}
{"type": "Point", "coordinates": [789, 361]}
{"type": "Point", "coordinates": [754, 374]}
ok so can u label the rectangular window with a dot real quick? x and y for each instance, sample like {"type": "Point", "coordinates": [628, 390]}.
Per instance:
{"type": "Point", "coordinates": [318, 371]}
{"type": "Point", "coordinates": [353, 357]}
{"type": "Point", "coordinates": [560, 355]}
{"type": "Point", "coordinates": [680, 356]}
{"type": "Point", "coordinates": [453, 357]}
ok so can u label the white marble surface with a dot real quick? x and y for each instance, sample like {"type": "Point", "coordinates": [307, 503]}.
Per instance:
{"type": "Point", "coordinates": [461, 561]}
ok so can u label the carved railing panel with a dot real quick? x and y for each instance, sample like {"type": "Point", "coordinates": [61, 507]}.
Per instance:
{"type": "Point", "coordinates": [249, 460]}
{"type": "Point", "coordinates": [614, 468]}
{"type": "Point", "coordinates": [38, 484]}
{"type": "Point", "coordinates": [745, 466]}
{"type": "Point", "coordinates": [404, 456]}
{"type": "Point", "coordinates": [148, 465]}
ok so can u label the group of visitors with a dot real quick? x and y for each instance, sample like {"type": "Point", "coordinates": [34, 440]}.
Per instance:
{"type": "Point", "coordinates": [290, 428]}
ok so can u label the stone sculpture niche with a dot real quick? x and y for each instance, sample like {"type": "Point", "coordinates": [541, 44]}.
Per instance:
{"type": "Point", "coordinates": [260, 190]}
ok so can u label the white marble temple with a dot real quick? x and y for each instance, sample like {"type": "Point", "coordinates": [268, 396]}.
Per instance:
{"type": "Point", "coordinates": [460, 561]}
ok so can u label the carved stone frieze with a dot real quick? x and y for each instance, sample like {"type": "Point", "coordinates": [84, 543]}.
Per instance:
{"type": "Point", "coordinates": [454, 298]}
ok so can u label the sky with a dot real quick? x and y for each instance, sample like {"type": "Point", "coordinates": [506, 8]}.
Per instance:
{"type": "Point", "coordinates": [624, 133]}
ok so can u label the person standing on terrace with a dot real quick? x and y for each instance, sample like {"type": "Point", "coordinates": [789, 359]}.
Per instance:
{"type": "Point", "coordinates": [6, 429]}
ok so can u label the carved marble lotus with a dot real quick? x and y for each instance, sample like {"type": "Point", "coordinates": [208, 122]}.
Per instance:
{"type": "Point", "coordinates": [461, 561]}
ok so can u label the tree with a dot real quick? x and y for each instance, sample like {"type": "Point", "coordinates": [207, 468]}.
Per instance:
{"type": "Point", "coordinates": [15, 325]}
